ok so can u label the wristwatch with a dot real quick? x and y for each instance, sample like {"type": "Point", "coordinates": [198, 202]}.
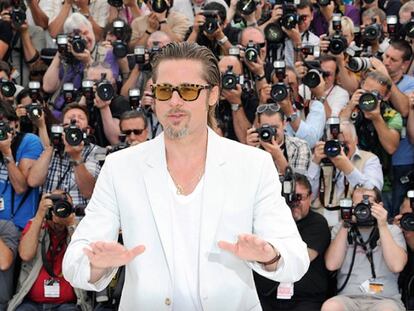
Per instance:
{"type": "Point", "coordinates": [292, 117]}
{"type": "Point", "coordinates": [235, 107]}
{"type": "Point", "coordinates": [8, 159]}
{"type": "Point", "coordinates": [222, 41]}
{"type": "Point", "coordinates": [321, 99]}
{"type": "Point", "coordinates": [76, 162]}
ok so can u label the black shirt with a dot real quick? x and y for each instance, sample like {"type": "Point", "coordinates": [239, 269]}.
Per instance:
{"type": "Point", "coordinates": [6, 35]}
{"type": "Point", "coordinates": [313, 286]}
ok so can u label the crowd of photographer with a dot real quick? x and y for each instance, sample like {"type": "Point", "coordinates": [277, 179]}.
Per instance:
{"type": "Point", "coordinates": [325, 86]}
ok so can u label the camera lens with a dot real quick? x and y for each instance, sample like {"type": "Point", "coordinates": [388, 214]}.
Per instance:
{"type": "Point", "coordinates": [229, 81]}
{"type": "Point", "coordinates": [332, 148]}
{"type": "Point", "coordinates": [407, 221]}
{"type": "Point", "coordinates": [278, 92]}
{"type": "Point", "coordinates": [274, 34]}
{"type": "Point", "coordinates": [368, 101]}
{"type": "Point", "coordinates": [61, 206]}
{"type": "Point", "coordinates": [246, 7]}
{"type": "Point", "coordinates": [34, 111]}
{"type": "Point", "coordinates": [4, 129]}
{"type": "Point", "coordinates": [8, 89]}
{"type": "Point", "coordinates": [312, 78]}
{"type": "Point", "coordinates": [337, 44]}
{"type": "Point", "coordinates": [105, 91]}
{"type": "Point", "coordinates": [159, 6]}
{"type": "Point", "coordinates": [266, 132]}
{"type": "Point", "coordinates": [289, 21]}
{"type": "Point", "coordinates": [357, 64]}
{"type": "Point", "coordinates": [362, 213]}
{"type": "Point", "coordinates": [120, 49]}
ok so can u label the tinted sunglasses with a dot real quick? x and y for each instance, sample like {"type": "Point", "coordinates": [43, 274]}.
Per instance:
{"type": "Point", "coordinates": [267, 107]}
{"type": "Point", "coordinates": [188, 92]}
{"type": "Point", "coordinates": [135, 131]}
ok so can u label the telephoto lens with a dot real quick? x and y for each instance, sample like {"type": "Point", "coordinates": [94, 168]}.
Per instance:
{"type": "Point", "coordinates": [368, 101]}
{"type": "Point", "coordinates": [246, 7]}
{"type": "Point", "coordinates": [357, 64]}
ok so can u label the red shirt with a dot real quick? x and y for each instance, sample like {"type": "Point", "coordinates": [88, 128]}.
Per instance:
{"type": "Point", "coordinates": [37, 292]}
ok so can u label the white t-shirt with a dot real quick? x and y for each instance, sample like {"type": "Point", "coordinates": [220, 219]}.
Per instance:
{"type": "Point", "coordinates": [186, 236]}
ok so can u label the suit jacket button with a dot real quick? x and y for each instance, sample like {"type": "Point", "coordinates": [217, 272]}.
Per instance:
{"type": "Point", "coordinates": [167, 301]}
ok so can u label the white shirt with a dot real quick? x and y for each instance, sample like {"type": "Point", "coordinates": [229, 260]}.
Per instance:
{"type": "Point", "coordinates": [337, 99]}
{"type": "Point", "coordinates": [308, 38]}
{"type": "Point", "coordinates": [186, 211]}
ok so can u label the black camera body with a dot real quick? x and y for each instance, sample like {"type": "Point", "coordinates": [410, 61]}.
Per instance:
{"type": "Point", "coordinates": [18, 14]}
{"type": "Point", "coordinates": [116, 3]}
{"type": "Point", "coordinates": [361, 212]}
{"type": "Point", "coordinates": [312, 77]}
{"type": "Point", "coordinates": [372, 32]}
{"type": "Point", "coordinates": [357, 64]}
{"type": "Point", "coordinates": [74, 135]}
{"type": "Point", "coordinates": [68, 92]}
{"type": "Point", "coordinates": [212, 21]}
{"type": "Point", "coordinates": [274, 33]}
{"type": "Point", "coordinates": [139, 54]}
{"type": "Point", "coordinates": [229, 79]}
{"type": "Point", "coordinates": [332, 146]}
{"type": "Point", "coordinates": [63, 208]}
{"type": "Point", "coordinates": [134, 96]}
{"type": "Point", "coordinates": [289, 188]}
{"type": "Point", "coordinates": [78, 43]}
{"type": "Point", "coordinates": [251, 53]}
{"type": "Point", "coordinates": [407, 220]}
{"type": "Point", "coordinates": [266, 132]}
{"type": "Point", "coordinates": [7, 88]}
{"type": "Point", "coordinates": [87, 90]}
{"type": "Point", "coordinates": [290, 17]}
{"type": "Point", "coordinates": [369, 101]}
{"type": "Point", "coordinates": [337, 43]}
{"type": "Point", "coordinates": [120, 48]}
{"type": "Point", "coordinates": [34, 91]}
{"type": "Point", "coordinates": [246, 7]}
{"type": "Point", "coordinates": [104, 89]}
{"type": "Point", "coordinates": [159, 6]}
{"type": "Point", "coordinates": [313, 50]}
{"type": "Point", "coordinates": [4, 129]}
{"type": "Point", "coordinates": [408, 28]}
{"type": "Point", "coordinates": [34, 111]}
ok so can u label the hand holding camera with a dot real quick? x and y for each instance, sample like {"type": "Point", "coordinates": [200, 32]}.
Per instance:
{"type": "Point", "coordinates": [153, 22]}
{"type": "Point", "coordinates": [5, 140]}
{"type": "Point", "coordinates": [380, 214]}
{"type": "Point", "coordinates": [199, 21]}
{"type": "Point", "coordinates": [252, 138]}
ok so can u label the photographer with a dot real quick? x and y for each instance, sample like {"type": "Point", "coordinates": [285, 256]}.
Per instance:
{"type": "Point", "coordinates": [334, 173]}
{"type": "Point", "coordinates": [368, 254]}
{"type": "Point", "coordinates": [96, 12]}
{"type": "Point", "coordinates": [235, 110]}
{"type": "Point", "coordinates": [374, 44]}
{"type": "Point", "coordinates": [134, 126]}
{"type": "Point", "coordinates": [9, 241]}
{"type": "Point", "coordinates": [173, 23]}
{"type": "Point", "coordinates": [69, 165]}
{"type": "Point", "coordinates": [191, 8]}
{"type": "Point", "coordinates": [128, 11]}
{"type": "Point", "coordinates": [310, 292]}
{"type": "Point", "coordinates": [68, 65]}
{"type": "Point", "coordinates": [104, 113]}
{"type": "Point", "coordinates": [42, 247]}
{"type": "Point", "coordinates": [8, 89]}
{"type": "Point", "coordinates": [270, 135]}
{"type": "Point", "coordinates": [19, 152]}
{"type": "Point", "coordinates": [211, 29]}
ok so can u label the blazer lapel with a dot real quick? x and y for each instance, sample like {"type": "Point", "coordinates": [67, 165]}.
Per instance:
{"type": "Point", "coordinates": [213, 195]}
{"type": "Point", "coordinates": [156, 182]}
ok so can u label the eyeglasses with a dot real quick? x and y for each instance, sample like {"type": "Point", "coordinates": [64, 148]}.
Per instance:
{"type": "Point", "coordinates": [267, 107]}
{"type": "Point", "coordinates": [135, 131]}
{"type": "Point", "coordinates": [188, 92]}
{"type": "Point", "coordinates": [302, 196]}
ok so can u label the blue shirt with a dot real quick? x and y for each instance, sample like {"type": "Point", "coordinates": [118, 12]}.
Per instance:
{"type": "Point", "coordinates": [29, 148]}
{"type": "Point", "coordinates": [405, 152]}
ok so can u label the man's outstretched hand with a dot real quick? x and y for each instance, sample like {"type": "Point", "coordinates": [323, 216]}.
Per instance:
{"type": "Point", "coordinates": [104, 255]}
{"type": "Point", "coordinates": [250, 247]}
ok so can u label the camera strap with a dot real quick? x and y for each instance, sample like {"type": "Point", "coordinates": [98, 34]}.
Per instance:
{"type": "Point", "coordinates": [368, 246]}
{"type": "Point", "coordinates": [53, 253]}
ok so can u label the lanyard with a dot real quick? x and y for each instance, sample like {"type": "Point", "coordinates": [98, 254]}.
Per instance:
{"type": "Point", "coordinates": [53, 253]}
{"type": "Point", "coordinates": [367, 247]}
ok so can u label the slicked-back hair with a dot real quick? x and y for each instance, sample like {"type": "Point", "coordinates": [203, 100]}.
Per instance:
{"type": "Point", "coordinates": [195, 52]}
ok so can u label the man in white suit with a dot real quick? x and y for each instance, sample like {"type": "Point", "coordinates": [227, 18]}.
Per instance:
{"type": "Point", "coordinates": [197, 212]}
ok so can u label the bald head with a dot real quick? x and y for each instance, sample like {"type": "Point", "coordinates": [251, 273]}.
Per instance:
{"type": "Point", "coordinates": [251, 33]}
{"type": "Point", "coordinates": [231, 61]}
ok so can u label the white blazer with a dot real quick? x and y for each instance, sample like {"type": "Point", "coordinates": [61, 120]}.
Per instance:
{"type": "Point", "coordinates": [242, 194]}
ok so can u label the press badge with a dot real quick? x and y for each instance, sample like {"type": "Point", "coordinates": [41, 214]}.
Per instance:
{"type": "Point", "coordinates": [1, 204]}
{"type": "Point", "coordinates": [372, 287]}
{"type": "Point", "coordinates": [285, 291]}
{"type": "Point", "coordinates": [52, 288]}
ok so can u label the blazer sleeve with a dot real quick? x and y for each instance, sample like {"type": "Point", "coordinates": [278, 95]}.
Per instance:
{"type": "Point", "coordinates": [101, 223]}
{"type": "Point", "coordinates": [274, 223]}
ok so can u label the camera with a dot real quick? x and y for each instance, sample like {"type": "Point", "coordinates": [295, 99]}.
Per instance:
{"type": "Point", "coordinates": [134, 98]}
{"type": "Point", "coordinates": [7, 88]}
{"type": "Point", "coordinates": [313, 50]}
{"type": "Point", "coordinates": [120, 48]}
{"type": "Point", "coordinates": [154, 50]}
{"type": "Point", "coordinates": [212, 22]}
{"type": "Point", "coordinates": [312, 77]}
{"type": "Point", "coordinates": [324, 2]}
{"type": "Point", "coordinates": [4, 130]}
{"type": "Point", "coordinates": [372, 32]}
{"type": "Point", "coordinates": [68, 92]}
{"type": "Point", "coordinates": [56, 132]}
{"type": "Point", "coordinates": [357, 64]}
{"type": "Point", "coordinates": [392, 24]}
{"type": "Point", "coordinates": [337, 42]}
{"type": "Point", "coordinates": [115, 3]}
{"type": "Point", "coordinates": [34, 111]}
{"type": "Point", "coordinates": [229, 79]}
{"type": "Point", "coordinates": [290, 18]}
{"type": "Point", "coordinates": [279, 91]}
{"type": "Point", "coordinates": [407, 220]}
{"type": "Point", "coordinates": [74, 135]}
{"type": "Point", "coordinates": [63, 208]}
{"type": "Point", "coordinates": [362, 212]}
{"type": "Point", "coordinates": [18, 14]}
{"type": "Point", "coordinates": [408, 28]}
{"type": "Point", "coordinates": [159, 6]}
{"type": "Point", "coordinates": [234, 51]}
{"type": "Point", "coordinates": [139, 53]}
{"type": "Point", "coordinates": [368, 101]}
{"type": "Point", "coordinates": [332, 147]}
{"type": "Point", "coordinates": [87, 90]}
{"type": "Point", "coordinates": [274, 33]}
{"type": "Point", "coordinates": [247, 7]}
{"type": "Point", "coordinates": [62, 41]}
{"type": "Point", "coordinates": [251, 52]}
{"type": "Point", "coordinates": [104, 89]}
{"type": "Point", "coordinates": [34, 91]}
{"type": "Point", "coordinates": [78, 43]}
{"type": "Point", "coordinates": [266, 132]}
{"type": "Point", "coordinates": [408, 179]}
{"type": "Point", "coordinates": [289, 188]}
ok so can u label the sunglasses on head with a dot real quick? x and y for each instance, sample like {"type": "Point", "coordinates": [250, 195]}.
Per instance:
{"type": "Point", "coordinates": [187, 91]}
{"type": "Point", "coordinates": [135, 131]}
{"type": "Point", "coordinates": [267, 107]}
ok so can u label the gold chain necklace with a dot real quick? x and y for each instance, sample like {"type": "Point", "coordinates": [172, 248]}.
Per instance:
{"type": "Point", "coordinates": [179, 187]}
